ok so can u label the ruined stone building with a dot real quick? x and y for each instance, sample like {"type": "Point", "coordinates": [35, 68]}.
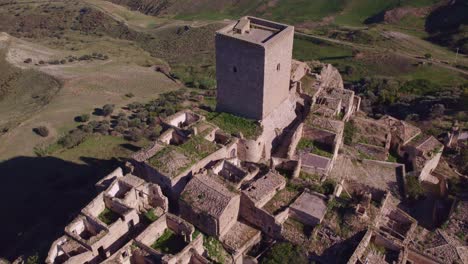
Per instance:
{"type": "Point", "coordinates": [253, 57]}
{"type": "Point", "coordinates": [197, 181]}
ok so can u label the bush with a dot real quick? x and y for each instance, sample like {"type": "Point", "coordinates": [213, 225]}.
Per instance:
{"type": "Point", "coordinates": [134, 122]}
{"type": "Point", "coordinates": [134, 134]}
{"type": "Point", "coordinates": [83, 118]}
{"type": "Point", "coordinates": [428, 56]}
{"type": "Point", "coordinates": [414, 189]}
{"type": "Point", "coordinates": [107, 109]}
{"type": "Point", "coordinates": [28, 60]}
{"type": "Point", "coordinates": [129, 95]}
{"type": "Point", "coordinates": [72, 139]}
{"type": "Point", "coordinates": [87, 128]}
{"type": "Point", "coordinates": [285, 252]}
{"type": "Point", "coordinates": [41, 131]}
{"type": "Point", "coordinates": [119, 129]}
{"type": "Point", "coordinates": [102, 128]}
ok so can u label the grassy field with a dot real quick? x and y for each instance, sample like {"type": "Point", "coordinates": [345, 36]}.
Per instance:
{"type": "Point", "coordinates": [100, 147]}
{"type": "Point", "coordinates": [86, 85]}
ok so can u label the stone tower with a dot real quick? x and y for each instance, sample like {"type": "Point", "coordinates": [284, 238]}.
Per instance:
{"type": "Point", "coordinates": [253, 67]}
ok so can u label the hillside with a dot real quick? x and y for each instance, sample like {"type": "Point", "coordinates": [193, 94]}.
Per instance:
{"type": "Point", "coordinates": [22, 92]}
{"type": "Point", "coordinates": [291, 11]}
{"type": "Point", "coordinates": [443, 22]}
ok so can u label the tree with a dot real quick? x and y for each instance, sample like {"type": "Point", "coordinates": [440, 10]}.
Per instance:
{"type": "Point", "coordinates": [437, 110]}
{"type": "Point", "coordinates": [428, 56]}
{"type": "Point", "coordinates": [134, 134]}
{"type": "Point", "coordinates": [83, 118]}
{"type": "Point", "coordinates": [285, 252]}
{"type": "Point", "coordinates": [41, 131]}
{"type": "Point", "coordinates": [107, 109]}
{"type": "Point", "coordinates": [414, 189]}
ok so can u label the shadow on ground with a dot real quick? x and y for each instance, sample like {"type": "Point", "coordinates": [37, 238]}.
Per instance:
{"type": "Point", "coordinates": [39, 196]}
{"type": "Point", "coordinates": [342, 251]}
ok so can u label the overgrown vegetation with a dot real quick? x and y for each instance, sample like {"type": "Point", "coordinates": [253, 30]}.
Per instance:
{"type": "Point", "coordinates": [150, 215]}
{"type": "Point", "coordinates": [313, 147]}
{"type": "Point", "coordinates": [107, 216]}
{"type": "Point", "coordinates": [215, 250]}
{"type": "Point", "coordinates": [234, 124]}
{"type": "Point", "coordinates": [413, 188]}
{"type": "Point", "coordinates": [169, 242]}
{"type": "Point", "coordinates": [285, 252]}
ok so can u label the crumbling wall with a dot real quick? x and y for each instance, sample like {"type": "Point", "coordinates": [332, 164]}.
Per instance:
{"type": "Point", "coordinates": [107, 180]}
{"type": "Point", "coordinates": [361, 248]}
{"type": "Point", "coordinates": [331, 77]}
{"type": "Point", "coordinates": [259, 217]}
{"type": "Point", "coordinates": [429, 166]}
{"type": "Point", "coordinates": [157, 198]}
{"type": "Point", "coordinates": [296, 137]}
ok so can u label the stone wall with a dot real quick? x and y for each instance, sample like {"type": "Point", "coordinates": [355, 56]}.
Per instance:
{"type": "Point", "coordinates": [260, 70]}
{"type": "Point", "coordinates": [361, 248]}
{"type": "Point", "coordinates": [331, 77]}
{"type": "Point", "coordinates": [259, 218]}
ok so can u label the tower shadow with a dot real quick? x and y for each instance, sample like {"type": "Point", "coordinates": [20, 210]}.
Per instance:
{"type": "Point", "coordinates": [39, 196]}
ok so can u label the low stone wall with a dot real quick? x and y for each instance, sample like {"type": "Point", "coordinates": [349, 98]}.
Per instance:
{"type": "Point", "coordinates": [361, 248]}
{"type": "Point", "coordinates": [259, 218]}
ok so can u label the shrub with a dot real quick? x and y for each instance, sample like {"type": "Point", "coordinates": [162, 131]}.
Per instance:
{"type": "Point", "coordinates": [107, 109]}
{"type": "Point", "coordinates": [134, 134]}
{"type": "Point", "coordinates": [428, 56]}
{"type": "Point", "coordinates": [119, 129]}
{"type": "Point", "coordinates": [72, 139]}
{"type": "Point", "coordinates": [437, 110]}
{"type": "Point", "coordinates": [102, 128]}
{"type": "Point", "coordinates": [414, 189]}
{"type": "Point", "coordinates": [83, 118]}
{"type": "Point", "coordinates": [41, 131]}
{"type": "Point", "coordinates": [129, 95]}
{"type": "Point", "coordinates": [134, 122]}
{"type": "Point", "coordinates": [28, 60]}
{"type": "Point", "coordinates": [87, 128]}
{"type": "Point", "coordinates": [285, 253]}
{"type": "Point", "coordinates": [122, 123]}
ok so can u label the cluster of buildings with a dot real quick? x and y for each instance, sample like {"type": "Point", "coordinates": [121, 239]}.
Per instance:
{"type": "Point", "coordinates": [196, 181]}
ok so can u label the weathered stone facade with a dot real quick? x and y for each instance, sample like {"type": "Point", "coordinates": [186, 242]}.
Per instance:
{"type": "Point", "coordinates": [257, 62]}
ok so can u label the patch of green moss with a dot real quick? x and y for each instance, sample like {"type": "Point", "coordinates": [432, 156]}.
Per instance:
{"type": "Point", "coordinates": [108, 217]}
{"type": "Point", "coordinates": [234, 124]}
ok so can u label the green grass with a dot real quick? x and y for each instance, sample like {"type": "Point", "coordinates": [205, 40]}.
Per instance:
{"type": "Point", "coordinates": [169, 242]}
{"type": "Point", "coordinates": [313, 147]}
{"type": "Point", "coordinates": [108, 216]}
{"type": "Point", "coordinates": [296, 11]}
{"type": "Point", "coordinates": [234, 124]}
{"type": "Point", "coordinates": [195, 233]}
{"type": "Point", "coordinates": [194, 149]}
{"type": "Point", "coordinates": [150, 216]}
{"type": "Point", "coordinates": [306, 49]}
{"type": "Point", "coordinates": [214, 249]}
{"type": "Point", "coordinates": [99, 147]}
{"type": "Point", "coordinates": [198, 147]}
